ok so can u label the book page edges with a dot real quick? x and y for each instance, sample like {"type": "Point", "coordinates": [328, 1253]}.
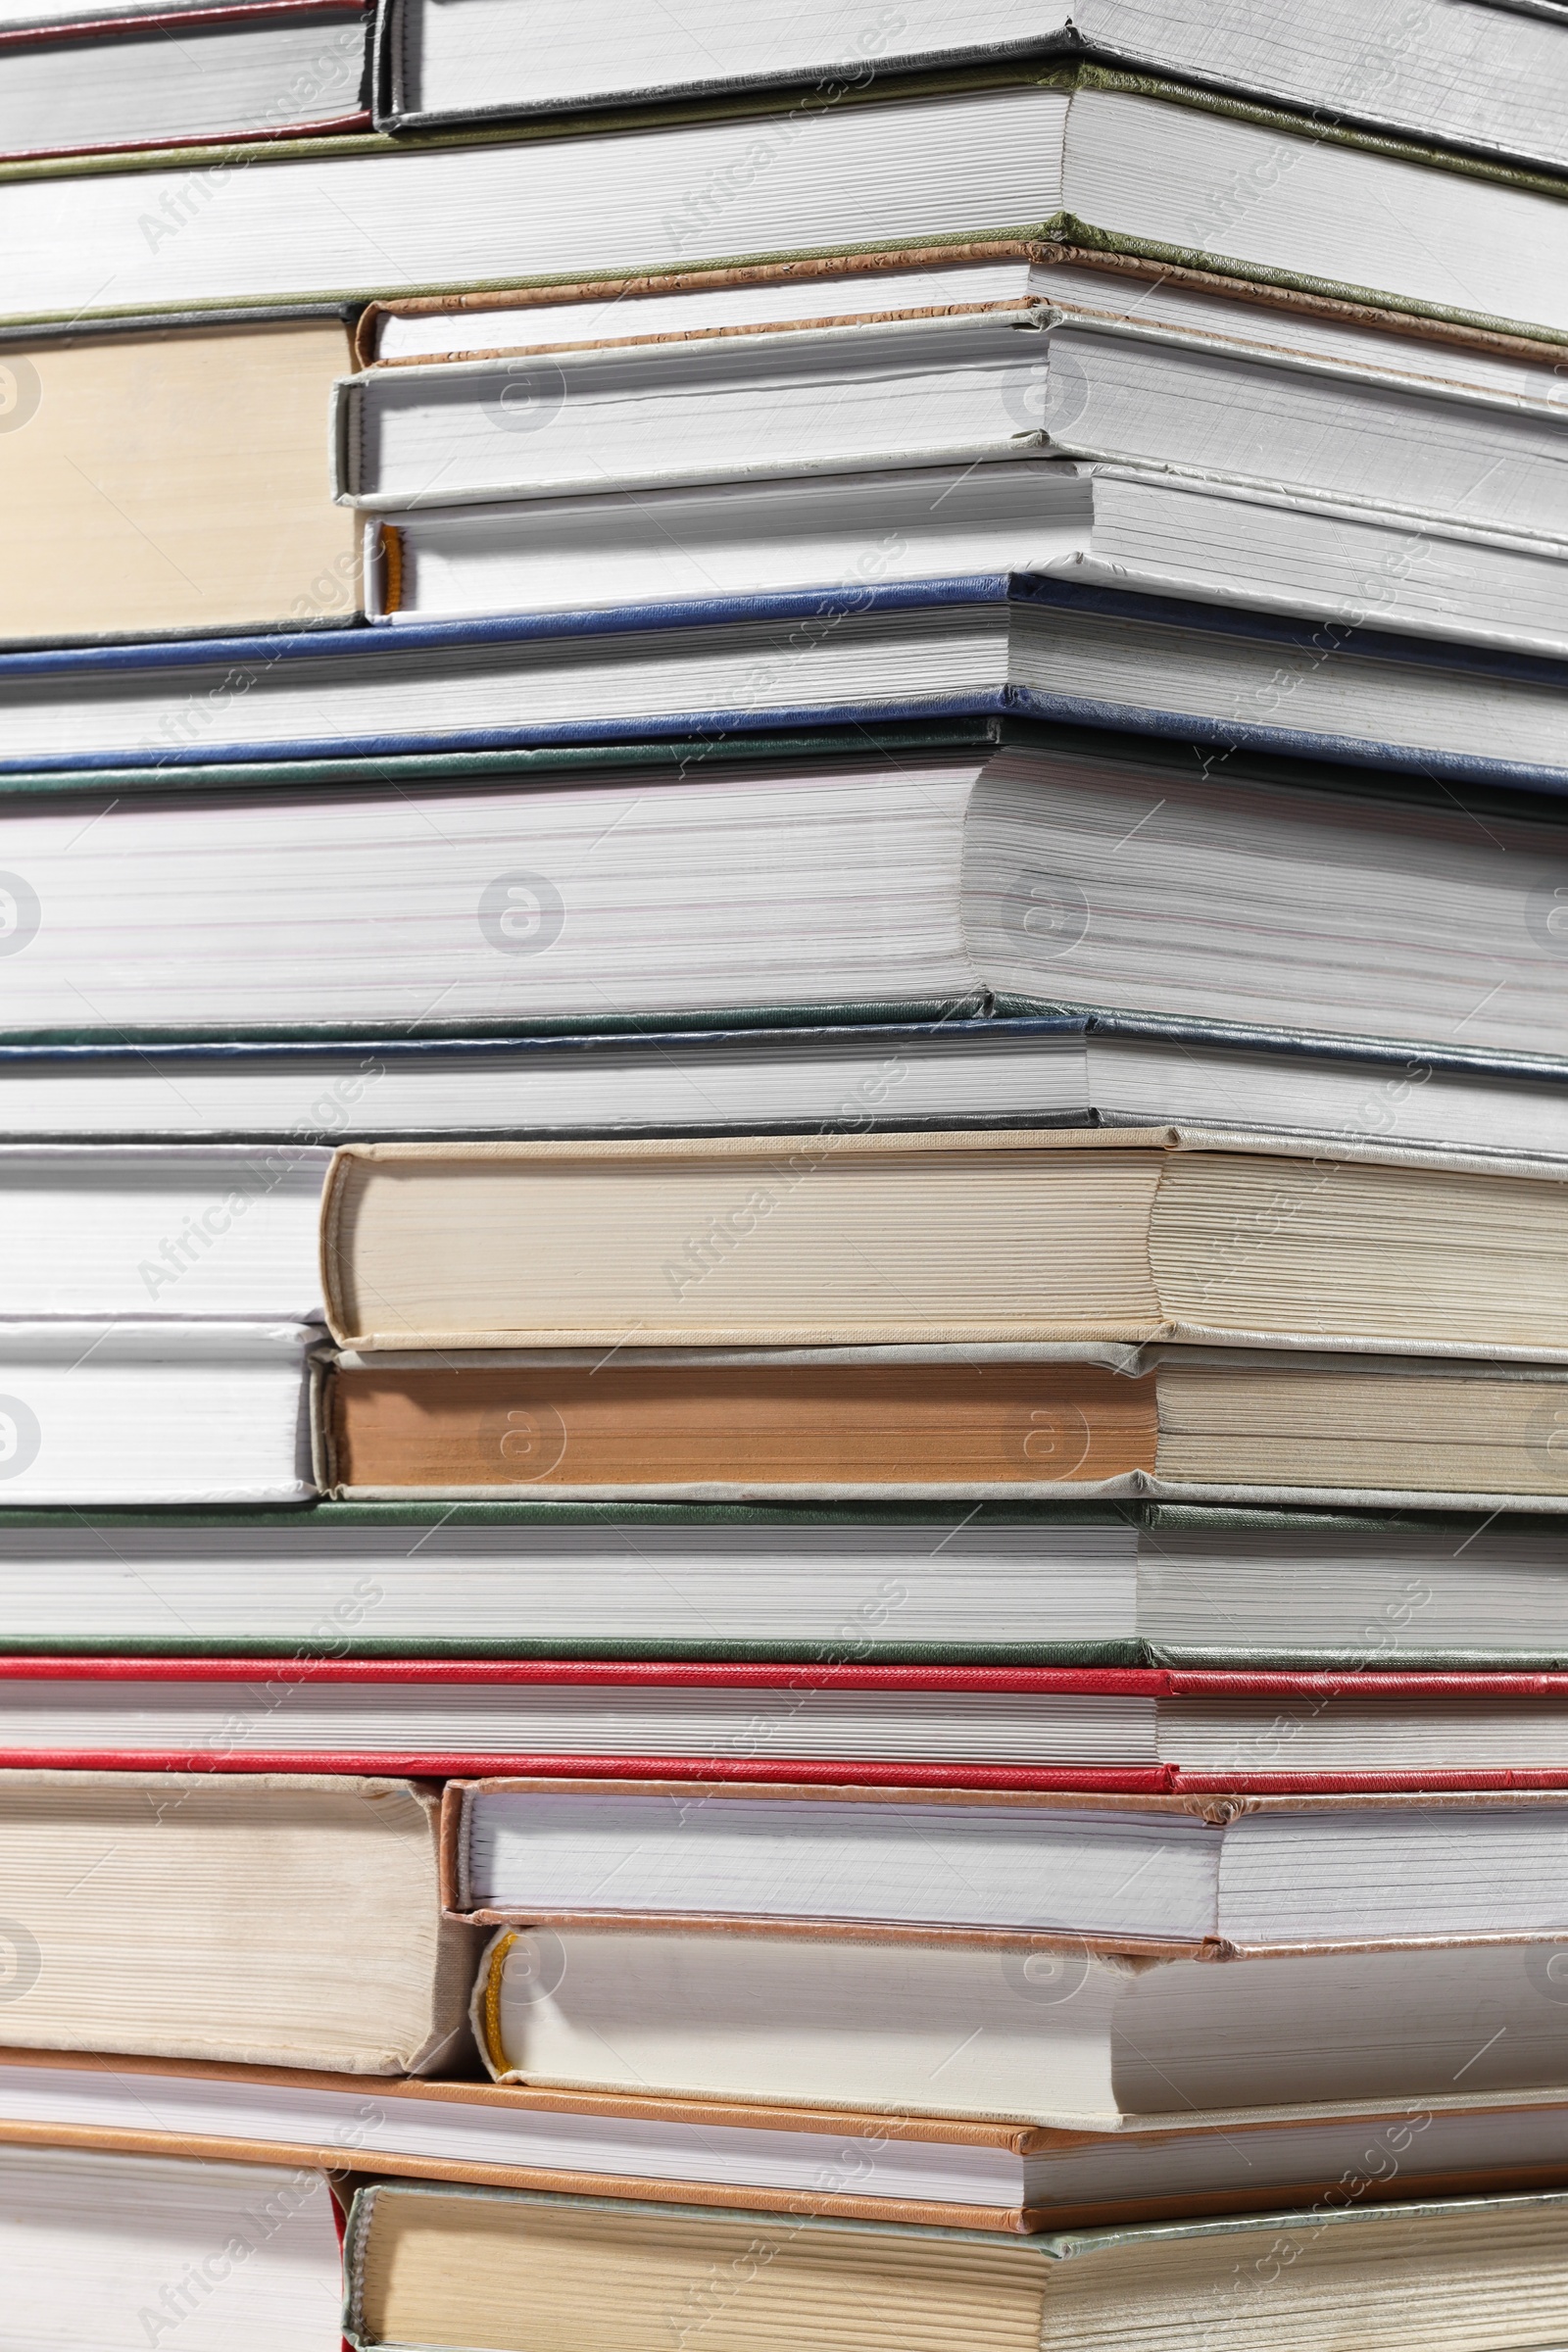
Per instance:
{"type": "Point", "coordinates": [623, 2106]}
{"type": "Point", "coordinates": [334, 2162]}
{"type": "Point", "coordinates": [992, 70]}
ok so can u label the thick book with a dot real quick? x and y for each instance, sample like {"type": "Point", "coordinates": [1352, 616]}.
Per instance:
{"type": "Point", "coordinates": [971, 1423]}
{"type": "Point", "coordinates": [1142, 530]}
{"type": "Point", "coordinates": [455, 2269]}
{"type": "Point", "coordinates": [1038, 2029]}
{"type": "Point", "coordinates": [967, 1069]}
{"type": "Point", "coordinates": [149, 1409]}
{"type": "Point", "coordinates": [1059, 872]}
{"type": "Point", "coordinates": [129, 1231]}
{"type": "Point", "coordinates": [865, 2164]}
{"type": "Point", "coordinates": [99, 79]}
{"type": "Point", "coordinates": [1493, 86]}
{"type": "Point", "coordinates": [869, 653]}
{"type": "Point", "coordinates": [167, 477]}
{"type": "Point", "coordinates": [1008, 149]}
{"type": "Point", "coordinates": [292, 1921]}
{"type": "Point", "coordinates": [1067, 1584]}
{"type": "Point", "coordinates": [943, 1238]}
{"type": "Point", "coordinates": [1256, 1874]}
{"type": "Point", "coordinates": [105, 2249]}
{"type": "Point", "coordinates": [1045, 1727]}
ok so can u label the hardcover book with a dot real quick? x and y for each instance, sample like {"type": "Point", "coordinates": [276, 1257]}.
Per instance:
{"type": "Point", "coordinates": [826, 1074]}
{"type": "Point", "coordinates": [93, 79]}
{"type": "Point", "coordinates": [864, 2164]}
{"type": "Point", "coordinates": [454, 2270]}
{"type": "Point", "coordinates": [1045, 1727]}
{"type": "Point", "coordinates": [1132, 886]}
{"type": "Point", "coordinates": [1107, 1584]}
{"type": "Point", "coordinates": [867, 654]}
{"type": "Point", "coordinates": [705, 438]}
{"type": "Point", "coordinates": [1488, 84]}
{"type": "Point", "coordinates": [1042, 2029]}
{"type": "Point", "coordinates": [1080, 287]}
{"type": "Point", "coordinates": [1007, 149]}
{"type": "Point", "coordinates": [964, 1425]}
{"type": "Point", "coordinates": [942, 1240]}
{"type": "Point", "coordinates": [1142, 530]}
{"type": "Point", "coordinates": [1254, 1873]}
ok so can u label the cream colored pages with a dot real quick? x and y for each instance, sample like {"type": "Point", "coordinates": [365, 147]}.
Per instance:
{"type": "Point", "coordinates": [944, 2027]}
{"type": "Point", "coordinates": [1479, 2277]}
{"type": "Point", "coordinates": [1042, 2031]}
{"type": "Point", "coordinates": [1028, 1235]}
{"type": "Point", "coordinates": [249, 1918]}
{"type": "Point", "coordinates": [525, 2275]}
{"type": "Point", "coordinates": [173, 481]}
{"type": "Point", "coordinates": [1239, 1425]}
{"type": "Point", "coordinates": [787, 1239]}
{"type": "Point", "coordinates": [1327, 1247]}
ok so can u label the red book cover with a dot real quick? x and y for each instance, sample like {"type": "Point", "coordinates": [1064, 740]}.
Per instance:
{"type": "Point", "coordinates": [240, 1742]}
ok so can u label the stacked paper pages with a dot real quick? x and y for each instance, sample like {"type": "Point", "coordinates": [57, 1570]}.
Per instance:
{"type": "Point", "coordinates": [783, 1138]}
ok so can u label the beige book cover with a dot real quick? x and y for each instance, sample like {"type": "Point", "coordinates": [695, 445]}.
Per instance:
{"type": "Point", "coordinates": [173, 478]}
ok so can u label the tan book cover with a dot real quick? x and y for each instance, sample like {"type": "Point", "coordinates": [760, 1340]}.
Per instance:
{"type": "Point", "coordinates": [174, 479]}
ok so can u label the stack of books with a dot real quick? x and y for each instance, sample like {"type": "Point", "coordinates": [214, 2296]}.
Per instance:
{"type": "Point", "coordinates": [783, 1122]}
